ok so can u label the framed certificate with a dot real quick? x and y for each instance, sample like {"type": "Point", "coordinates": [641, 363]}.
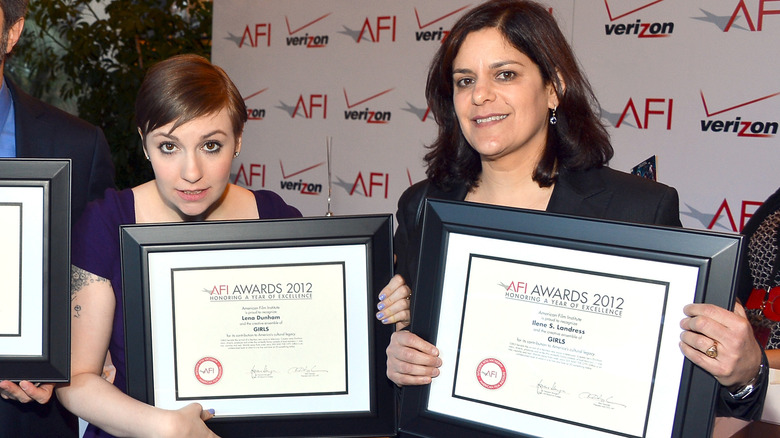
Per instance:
{"type": "Point", "coordinates": [550, 325]}
{"type": "Point", "coordinates": [35, 270]}
{"type": "Point", "coordinates": [270, 323]}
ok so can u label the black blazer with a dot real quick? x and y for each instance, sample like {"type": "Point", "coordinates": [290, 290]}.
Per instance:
{"type": "Point", "coordinates": [598, 193]}
{"type": "Point", "coordinates": [43, 131]}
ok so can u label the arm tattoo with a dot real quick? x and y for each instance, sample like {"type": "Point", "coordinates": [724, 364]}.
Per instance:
{"type": "Point", "coordinates": [79, 279]}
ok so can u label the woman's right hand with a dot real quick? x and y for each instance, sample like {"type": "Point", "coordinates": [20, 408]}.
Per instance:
{"type": "Point", "coordinates": [411, 360]}
{"type": "Point", "coordinates": [189, 421]}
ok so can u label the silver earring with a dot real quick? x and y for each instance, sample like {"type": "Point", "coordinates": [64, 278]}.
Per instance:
{"type": "Point", "coordinates": [235, 154]}
{"type": "Point", "coordinates": [553, 118]}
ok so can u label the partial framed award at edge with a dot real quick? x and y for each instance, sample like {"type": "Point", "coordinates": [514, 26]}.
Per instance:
{"type": "Point", "coordinates": [270, 323]}
{"type": "Point", "coordinates": [550, 325]}
{"type": "Point", "coordinates": [35, 270]}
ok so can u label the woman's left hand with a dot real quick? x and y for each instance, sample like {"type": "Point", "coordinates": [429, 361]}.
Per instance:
{"type": "Point", "coordinates": [734, 354]}
{"type": "Point", "coordinates": [26, 392]}
{"type": "Point", "coordinates": [393, 303]}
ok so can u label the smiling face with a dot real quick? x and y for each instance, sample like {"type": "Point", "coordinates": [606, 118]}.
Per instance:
{"type": "Point", "coordinates": [500, 99]}
{"type": "Point", "coordinates": [192, 163]}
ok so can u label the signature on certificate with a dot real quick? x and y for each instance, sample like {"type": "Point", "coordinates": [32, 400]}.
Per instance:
{"type": "Point", "coordinates": [549, 390]}
{"type": "Point", "coordinates": [306, 371]}
{"type": "Point", "coordinates": [601, 400]}
{"type": "Point", "coordinates": [263, 373]}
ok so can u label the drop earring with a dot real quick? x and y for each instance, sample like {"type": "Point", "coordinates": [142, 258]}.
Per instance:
{"type": "Point", "coordinates": [553, 118]}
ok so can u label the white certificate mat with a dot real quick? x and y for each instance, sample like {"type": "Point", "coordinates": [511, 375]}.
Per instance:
{"type": "Point", "coordinates": [559, 342]}
{"type": "Point", "coordinates": [10, 269]}
{"type": "Point", "coordinates": [21, 268]}
{"type": "Point", "coordinates": [262, 331]}
{"type": "Point", "coordinates": [255, 333]}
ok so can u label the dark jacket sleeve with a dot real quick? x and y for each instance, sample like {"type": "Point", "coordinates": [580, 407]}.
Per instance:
{"type": "Point", "coordinates": [101, 176]}
{"type": "Point", "coordinates": [406, 242]}
{"type": "Point", "coordinates": [668, 212]}
{"type": "Point", "coordinates": [751, 407]}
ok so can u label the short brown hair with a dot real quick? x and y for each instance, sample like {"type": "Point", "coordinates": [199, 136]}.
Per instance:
{"type": "Point", "coordinates": [185, 87]}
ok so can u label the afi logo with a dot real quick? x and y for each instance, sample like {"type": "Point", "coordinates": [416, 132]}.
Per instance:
{"type": "Point", "coordinates": [637, 28]}
{"type": "Point", "coordinates": [367, 115]}
{"type": "Point", "coordinates": [218, 289]}
{"type": "Point", "coordinates": [249, 173]}
{"type": "Point", "coordinates": [652, 107]}
{"type": "Point", "coordinates": [375, 180]}
{"type": "Point", "coordinates": [742, 128]}
{"type": "Point", "coordinates": [378, 29]}
{"type": "Point", "coordinates": [725, 210]}
{"type": "Point", "coordinates": [742, 9]}
{"type": "Point", "coordinates": [308, 41]}
{"type": "Point", "coordinates": [256, 34]}
{"type": "Point", "coordinates": [307, 106]}
{"type": "Point", "coordinates": [433, 35]}
{"type": "Point", "coordinates": [300, 186]}
{"type": "Point", "coordinates": [517, 286]}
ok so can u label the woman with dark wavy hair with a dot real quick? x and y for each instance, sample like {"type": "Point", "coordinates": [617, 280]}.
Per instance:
{"type": "Point", "coordinates": [577, 141]}
{"type": "Point", "coordinates": [519, 127]}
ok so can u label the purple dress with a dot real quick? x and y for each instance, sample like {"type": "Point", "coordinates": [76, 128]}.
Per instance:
{"type": "Point", "coordinates": [95, 249]}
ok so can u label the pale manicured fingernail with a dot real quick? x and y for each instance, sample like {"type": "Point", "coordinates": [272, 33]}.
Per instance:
{"type": "Point", "coordinates": [380, 306]}
{"type": "Point", "coordinates": [212, 411]}
{"type": "Point", "coordinates": [382, 297]}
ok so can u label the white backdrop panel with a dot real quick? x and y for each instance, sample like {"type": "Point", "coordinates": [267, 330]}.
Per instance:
{"type": "Point", "coordinates": [692, 82]}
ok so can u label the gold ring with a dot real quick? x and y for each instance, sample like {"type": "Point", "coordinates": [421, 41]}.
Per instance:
{"type": "Point", "coordinates": [712, 352]}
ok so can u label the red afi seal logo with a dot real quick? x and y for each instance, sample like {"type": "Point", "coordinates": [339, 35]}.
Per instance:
{"type": "Point", "coordinates": [491, 373]}
{"type": "Point", "coordinates": [208, 371]}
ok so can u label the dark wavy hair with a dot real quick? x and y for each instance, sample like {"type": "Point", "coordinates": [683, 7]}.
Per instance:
{"type": "Point", "coordinates": [578, 141]}
{"type": "Point", "coordinates": [183, 88]}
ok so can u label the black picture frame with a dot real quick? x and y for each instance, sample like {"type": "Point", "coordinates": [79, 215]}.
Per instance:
{"type": "Point", "coordinates": [371, 232]}
{"type": "Point", "coordinates": [38, 190]}
{"type": "Point", "coordinates": [715, 256]}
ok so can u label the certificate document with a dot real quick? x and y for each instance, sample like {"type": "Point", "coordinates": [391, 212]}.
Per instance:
{"type": "Point", "coordinates": [257, 330]}
{"type": "Point", "coordinates": [548, 333]}
{"type": "Point", "coordinates": [260, 331]}
{"type": "Point", "coordinates": [10, 268]}
{"type": "Point", "coordinates": [560, 337]}
{"type": "Point", "coordinates": [21, 267]}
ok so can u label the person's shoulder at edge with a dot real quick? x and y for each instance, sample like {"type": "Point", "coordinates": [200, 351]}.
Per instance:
{"type": "Point", "coordinates": [49, 112]}
{"type": "Point", "coordinates": [272, 206]}
{"type": "Point", "coordinates": [414, 192]}
{"type": "Point", "coordinates": [115, 206]}
{"type": "Point", "coordinates": [610, 177]}
{"type": "Point", "coordinates": [426, 188]}
{"type": "Point", "coordinates": [611, 194]}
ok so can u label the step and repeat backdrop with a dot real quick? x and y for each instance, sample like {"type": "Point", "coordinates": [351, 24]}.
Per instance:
{"type": "Point", "coordinates": [692, 83]}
